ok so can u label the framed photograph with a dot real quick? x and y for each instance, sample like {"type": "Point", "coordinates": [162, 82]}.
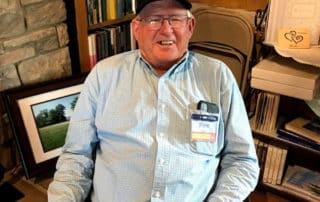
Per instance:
{"type": "Point", "coordinates": [39, 116]}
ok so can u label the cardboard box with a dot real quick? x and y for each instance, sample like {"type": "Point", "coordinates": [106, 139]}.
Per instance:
{"type": "Point", "coordinates": [287, 77]}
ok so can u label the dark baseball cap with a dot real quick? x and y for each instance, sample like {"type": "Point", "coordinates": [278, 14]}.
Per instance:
{"type": "Point", "coordinates": [140, 4]}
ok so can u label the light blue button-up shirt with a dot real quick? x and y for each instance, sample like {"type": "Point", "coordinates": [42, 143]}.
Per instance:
{"type": "Point", "coordinates": [137, 127]}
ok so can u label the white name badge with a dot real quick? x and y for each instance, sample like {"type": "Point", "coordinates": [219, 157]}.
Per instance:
{"type": "Point", "coordinates": [204, 127]}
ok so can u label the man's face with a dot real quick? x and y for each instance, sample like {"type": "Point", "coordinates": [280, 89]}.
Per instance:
{"type": "Point", "coordinates": [166, 45]}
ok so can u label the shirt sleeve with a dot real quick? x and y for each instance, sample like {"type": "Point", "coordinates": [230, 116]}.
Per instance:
{"type": "Point", "coordinates": [239, 169]}
{"type": "Point", "coordinates": [73, 177]}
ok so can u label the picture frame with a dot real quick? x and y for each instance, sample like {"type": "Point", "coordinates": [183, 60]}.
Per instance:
{"type": "Point", "coordinates": [39, 117]}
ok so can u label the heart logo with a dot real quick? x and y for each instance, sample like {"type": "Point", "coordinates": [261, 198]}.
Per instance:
{"type": "Point", "coordinates": [292, 36]}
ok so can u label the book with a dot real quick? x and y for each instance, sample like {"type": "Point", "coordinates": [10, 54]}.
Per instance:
{"type": "Point", "coordinates": [266, 112]}
{"type": "Point", "coordinates": [267, 166]}
{"type": "Point", "coordinates": [133, 6]}
{"type": "Point", "coordinates": [111, 9]}
{"type": "Point", "coordinates": [92, 50]}
{"type": "Point", "coordinates": [281, 166]}
{"type": "Point", "coordinates": [95, 12]}
{"type": "Point", "coordinates": [303, 181]}
{"type": "Point", "coordinates": [104, 10]}
{"type": "Point", "coordinates": [261, 149]}
{"type": "Point", "coordinates": [260, 111]}
{"type": "Point", "coordinates": [277, 160]}
{"type": "Point", "coordinates": [90, 8]}
{"type": "Point", "coordinates": [267, 115]}
{"type": "Point", "coordinates": [275, 109]}
{"type": "Point", "coordinates": [99, 9]}
{"type": "Point", "coordinates": [264, 152]}
{"type": "Point", "coordinates": [305, 128]}
{"type": "Point", "coordinates": [121, 8]}
{"type": "Point", "coordinates": [99, 46]}
{"type": "Point", "coordinates": [128, 7]}
{"type": "Point", "coordinates": [297, 139]}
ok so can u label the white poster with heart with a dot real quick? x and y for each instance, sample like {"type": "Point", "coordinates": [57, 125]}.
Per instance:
{"type": "Point", "coordinates": [293, 15]}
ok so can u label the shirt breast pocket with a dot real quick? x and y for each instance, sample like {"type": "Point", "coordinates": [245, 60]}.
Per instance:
{"type": "Point", "coordinates": [204, 131]}
{"type": "Point", "coordinates": [204, 148]}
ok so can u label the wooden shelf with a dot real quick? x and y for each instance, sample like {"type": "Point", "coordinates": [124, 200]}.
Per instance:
{"type": "Point", "coordinates": [273, 139]}
{"type": "Point", "coordinates": [284, 192]}
{"type": "Point", "coordinates": [83, 31]}
{"type": "Point", "coordinates": [111, 22]}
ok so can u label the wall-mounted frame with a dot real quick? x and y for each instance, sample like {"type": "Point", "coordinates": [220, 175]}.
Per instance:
{"type": "Point", "coordinates": [39, 117]}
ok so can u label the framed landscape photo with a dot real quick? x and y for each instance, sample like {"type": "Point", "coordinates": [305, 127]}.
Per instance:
{"type": "Point", "coordinates": [39, 116]}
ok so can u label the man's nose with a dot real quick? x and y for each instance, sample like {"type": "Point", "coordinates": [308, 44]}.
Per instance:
{"type": "Point", "coordinates": [166, 25]}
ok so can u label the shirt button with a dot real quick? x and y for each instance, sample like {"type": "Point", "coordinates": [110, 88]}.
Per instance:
{"type": "Point", "coordinates": [157, 194]}
{"type": "Point", "coordinates": [161, 161]}
{"type": "Point", "coordinates": [163, 106]}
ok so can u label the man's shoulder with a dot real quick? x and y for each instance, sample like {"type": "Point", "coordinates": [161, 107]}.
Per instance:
{"type": "Point", "coordinates": [206, 65]}
{"type": "Point", "coordinates": [206, 61]}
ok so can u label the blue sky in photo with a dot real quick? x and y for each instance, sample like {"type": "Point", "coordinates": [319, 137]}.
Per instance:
{"type": "Point", "coordinates": [65, 101]}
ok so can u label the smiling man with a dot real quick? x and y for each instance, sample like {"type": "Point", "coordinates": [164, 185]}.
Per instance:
{"type": "Point", "coordinates": [163, 30]}
{"type": "Point", "coordinates": [160, 123]}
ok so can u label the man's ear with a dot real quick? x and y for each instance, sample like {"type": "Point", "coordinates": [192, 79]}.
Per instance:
{"type": "Point", "coordinates": [191, 24]}
{"type": "Point", "coordinates": [135, 27]}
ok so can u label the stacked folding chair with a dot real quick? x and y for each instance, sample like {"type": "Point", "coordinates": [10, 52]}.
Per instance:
{"type": "Point", "coordinates": [225, 35]}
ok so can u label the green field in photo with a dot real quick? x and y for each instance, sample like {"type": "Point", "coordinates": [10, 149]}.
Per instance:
{"type": "Point", "coordinates": [53, 136]}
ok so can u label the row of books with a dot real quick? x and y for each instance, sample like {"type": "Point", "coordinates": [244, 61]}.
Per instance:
{"type": "Point", "coordinates": [108, 41]}
{"type": "Point", "coordinates": [299, 130]}
{"type": "Point", "coordinates": [266, 110]}
{"type": "Point", "coordinates": [271, 161]}
{"type": "Point", "coordinates": [297, 180]}
{"type": "Point", "coordinates": [102, 10]}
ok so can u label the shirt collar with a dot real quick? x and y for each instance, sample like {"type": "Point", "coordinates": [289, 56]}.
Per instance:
{"type": "Point", "coordinates": [179, 66]}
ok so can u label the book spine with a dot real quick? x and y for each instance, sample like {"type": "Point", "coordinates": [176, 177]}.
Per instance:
{"type": "Point", "coordinates": [111, 9]}
{"type": "Point", "coordinates": [128, 7]}
{"type": "Point", "coordinates": [104, 10]}
{"type": "Point", "coordinates": [266, 112]}
{"type": "Point", "coordinates": [90, 11]}
{"type": "Point", "coordinates": [271, 164]}
{"type": "Point", "coordinates": [267, 164]}
{"type": "Point", "coordinates": [282, 165]}
{"type": "Point", "coordinates": [95, 12]}
{"type": "Point", "coordinates": [120, 8]}
{"type": "Point", "coordinates": [133, 6]}
{"type": "Point", "coordinates": [277, 159]}
{"type": "Point", "coordinates": [92, 52]}
{"type": "Point", "coordinates": [100, 11]}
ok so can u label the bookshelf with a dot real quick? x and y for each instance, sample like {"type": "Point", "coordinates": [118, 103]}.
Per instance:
{"type": "Point", "coordinates": [83, 30]}
{"type": "Point", "coordinates": [286, 109]}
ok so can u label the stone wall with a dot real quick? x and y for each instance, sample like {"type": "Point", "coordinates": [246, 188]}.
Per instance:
{"type": "Point", "coordinates": [33, 49]}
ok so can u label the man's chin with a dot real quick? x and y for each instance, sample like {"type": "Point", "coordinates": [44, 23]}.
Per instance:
{"type": "Point", "coordinates": [168, 55]}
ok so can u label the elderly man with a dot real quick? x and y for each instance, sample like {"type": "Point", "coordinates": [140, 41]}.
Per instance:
{"type": "Point", "coordinates": [160, 123]}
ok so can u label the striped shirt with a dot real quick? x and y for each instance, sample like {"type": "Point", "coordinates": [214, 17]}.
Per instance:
{"type": "Point", "coordinates": [130, 138]}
